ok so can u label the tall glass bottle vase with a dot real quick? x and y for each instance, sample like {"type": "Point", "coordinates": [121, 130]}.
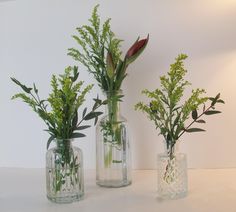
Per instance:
{"type": "Point", "coordinates": [64, 172]}
{"type": "Point", "coordinates": [172, 173]}
{"type": "Point", "coordinates": [113, 168]}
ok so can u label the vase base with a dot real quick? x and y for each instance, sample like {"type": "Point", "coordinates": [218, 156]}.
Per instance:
{"type": "Point", "coordinates": [113, 183]}
{"type": "Point", "coordinates": [172, 196]}
{"type": "Point", "coordinates": [66, 199]}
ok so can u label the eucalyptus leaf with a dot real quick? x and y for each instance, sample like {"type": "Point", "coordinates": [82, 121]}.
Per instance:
{"type": "Point", "coordinates": [95, 120]}
{"type": "Point", "coordinates": [201, 121]}
{"type": "Point", "coordinates": [92, 115]}
{"type": "Point", "coordinates": [220, 101]}
{"type": "Point", "coordinates": [77, 135]}
{"type": "Point", "coordinates": [84, 112]}
{"type": "Point", "coordinates": [75, 119]}
{"type": "Point", "coordinates": [35, 89]}
{"type": "Point", "coordinates": [212, 112]}
{"type": "Point", "coordinates": [194, 114]}
{"type": "Point", "coordinates": [190, 130]}
{"type": "Point", "coordinates": [26, 89]}
{"type": "Point", "coordinates": [83, 127]}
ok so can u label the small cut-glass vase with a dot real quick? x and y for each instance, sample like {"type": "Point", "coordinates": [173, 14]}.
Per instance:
{"type": "Point", "coordinates": [64, 172]}
{"type": "Point", "coordinates": [172, 173]}
{"type": "Point", "coordinates": [113, 168]}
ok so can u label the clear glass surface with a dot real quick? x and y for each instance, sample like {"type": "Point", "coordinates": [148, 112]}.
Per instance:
{"type": "Point", "coordinates": [64, 173]}
{"type": "Point", "coordinates": [113, 168]}
{"type": "Point", "coordinates": [172, 175]}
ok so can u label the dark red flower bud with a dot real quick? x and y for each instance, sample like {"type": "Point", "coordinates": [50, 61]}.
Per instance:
{"type": "Point", "coordinates": [136, 49]}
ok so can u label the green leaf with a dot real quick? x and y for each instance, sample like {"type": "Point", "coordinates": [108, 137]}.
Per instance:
{"type": "Point", "coordinates": [75, 120]}
{"type": "Point", "coordinates": [201, 121]}
{"type": "Point", "coordinates": [77, 135]}
{"type": "Point", "coordinates": [97, 100]}
{"type": "Point", "coordinates": [120, 70]}
{"type": "Point", "coordinates": [177, 119]}
{"type": "Point", "coordinates": [105, 102]}
{"type": "Point", "coordinates": [83, 127]}
{"type": "Point", "coordinates": [212, 112]}
{"type": "Point", "coordinates": [110, 65]}
{"type": "Point", "coordinates": [84, 112]}
{"type": "Point", "coordinates": [217, 96]}
{"type": "Point", "coordinates": [118, 98]}
{"type": "Point", "coordinates": [50, 140]}
{"type": "Point", "coordinates": [26, 89]}
{"type": "Point", "coordinates": [35, 89]}
{"type": "Point", "coordinates": [76, 73]}
{"type": "Point", "coordinates": [175, 109]}
{"type": "Point", "coordinates": [99, 61]}
{"type": "Point", "coordinates": [214, 100]}
{"type": "Point", "coordinates": [97, 103]}
{"type": "Point", "coordinates": [204, 107]}
{"type": "Point", "coordinates": [168, 137]}
{"type": "Point", "coordinates": [220, 101]}
{"type": "Point", "coordinates": [194, 130]}
{"type": "Point", "coordinates": [95, 120]}
{"type": "Point", "coordinates": [194, 114]}
{"type": "Point", "coordinates": [92, 115]}
{"type": "Point", "coordinates": [42, 101]}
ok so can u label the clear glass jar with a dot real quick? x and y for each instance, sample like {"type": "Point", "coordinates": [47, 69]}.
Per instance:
{"type": "Point", "coordinates": [64, 172]}
{"type": "Point", "coordinates": [113, 164]}
{"type": "Point", "coordinates": [172, 174]}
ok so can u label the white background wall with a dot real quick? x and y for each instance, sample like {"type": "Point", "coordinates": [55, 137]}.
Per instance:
{"type": "Point", "coordinates": [35, 35]}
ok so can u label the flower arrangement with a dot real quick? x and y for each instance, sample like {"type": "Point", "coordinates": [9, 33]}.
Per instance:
{"type": "Point", "coordinates": [60, 113]}
{"type": "Point", "coordinates": [166, 110]}
{"type": "Point", "coordinates": [60, 110]}
{"type": "Point", "coordinates": [99, 51]}
{"type": "Point", "coordinates": [171, 116]}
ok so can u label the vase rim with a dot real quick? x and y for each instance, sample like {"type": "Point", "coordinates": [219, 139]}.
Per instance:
{"type": "Point", "coordinates": [113, 91]}
{"type": "Point", "coordinates": [63, 139]}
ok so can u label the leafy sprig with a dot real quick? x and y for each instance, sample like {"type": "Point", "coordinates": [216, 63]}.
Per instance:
{"type": "Point", "coordinates": [100, 52]}
{"type": "Point", "coordinates": [166, 110]}
{"type": "Point", "coordinates": [60, 110]}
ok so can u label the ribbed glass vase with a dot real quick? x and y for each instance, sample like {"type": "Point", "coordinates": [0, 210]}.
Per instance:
{"type": "Point", "coordinates": [64, 172]}
{"type": "Point", "coordinates": [172, 174]}
{"type": "Point", "coordinates": [113, 168]}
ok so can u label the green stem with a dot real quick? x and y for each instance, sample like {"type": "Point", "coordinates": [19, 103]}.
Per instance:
{"type": "Point", "coordinates": [113, 110]}
{"type": "Point", "coordinates": [194, 121]}
{"type": "Point", "coordinates": [66, 164]}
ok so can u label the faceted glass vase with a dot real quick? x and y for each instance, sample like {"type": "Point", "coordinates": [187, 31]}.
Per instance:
{"type": "Point", "coordinates": [113, 159]}
{"type": "Point", "coordinates": [64, 172]}
{"type": "Point", "coordinates": [172, 175]}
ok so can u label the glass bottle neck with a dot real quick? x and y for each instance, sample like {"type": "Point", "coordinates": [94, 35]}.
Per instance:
{"type": "Point", "coordinates": [63, 143]}
{"type": "Point", "coordinates": [113, 105]}
{"type": "Point", "coordinates": [171, 148]}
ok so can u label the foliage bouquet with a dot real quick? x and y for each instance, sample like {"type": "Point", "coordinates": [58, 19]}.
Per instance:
{"type": "Point", "coordinates": [170, 115]}
{"type": "Point", "coordinates": [64, 163]}
{"type": "Point", "coordinates": [99, 51]}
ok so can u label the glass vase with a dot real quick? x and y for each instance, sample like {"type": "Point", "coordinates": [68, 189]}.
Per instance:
{"type": "Point", "coordinates": [172, 174]}
{"type": "Point", "coordinates": [64, 172]}
{"type": "Point", "coordinates": [113, 159]}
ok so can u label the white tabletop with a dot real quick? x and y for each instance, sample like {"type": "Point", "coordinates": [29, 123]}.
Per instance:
{"type": "Point", "coordinates": [23, 190]}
